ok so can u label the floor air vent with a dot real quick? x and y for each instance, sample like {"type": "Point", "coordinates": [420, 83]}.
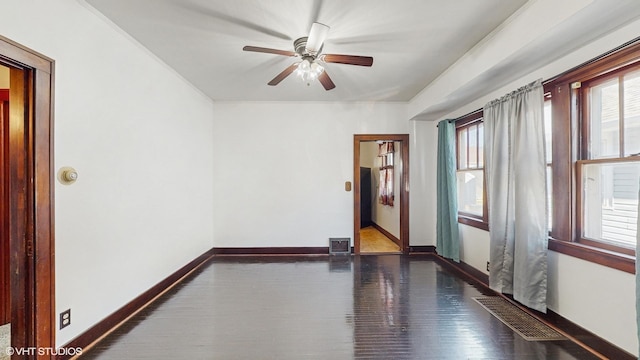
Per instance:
{"type": "Point", "coordinates": [339, 246]}
{"type": "Point", "coordinates": [527, 326]}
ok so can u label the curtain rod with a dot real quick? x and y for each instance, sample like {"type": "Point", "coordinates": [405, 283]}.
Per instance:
{"type": "Point", "coordinates": [554, 78]}
{"type": "Point", "coordinates": [474, 112]}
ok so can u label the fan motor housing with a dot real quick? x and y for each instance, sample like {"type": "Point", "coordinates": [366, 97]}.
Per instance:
{"type": "Point", "coordinates": [300, 46]}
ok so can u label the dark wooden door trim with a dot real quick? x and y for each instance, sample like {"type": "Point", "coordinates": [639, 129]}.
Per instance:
{"type": "Point", "coordinates": [31, 202]}
{"type": "Point", "coordinates": [5, 287]}
{"type": "Point", "coordinates": [404, 186]}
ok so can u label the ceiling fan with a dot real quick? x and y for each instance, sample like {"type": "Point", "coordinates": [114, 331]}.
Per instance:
{"type": "Point", "coordinates": [309, 49]}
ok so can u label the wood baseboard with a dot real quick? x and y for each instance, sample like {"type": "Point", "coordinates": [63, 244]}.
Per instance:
{"type": "Point", "coordinates": [387, 234]}
{"type": "Point", "coordinates": [272, 251]}
{"type": "Point", "coordinates": [94, 333]}
{"type": "Point", "coordinates": [581, 335]}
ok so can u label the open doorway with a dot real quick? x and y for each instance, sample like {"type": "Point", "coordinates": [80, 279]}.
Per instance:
{"type": "Point", "coordinates": [381, 178]}
{"type": "Point", "coordinates": [26, 212]}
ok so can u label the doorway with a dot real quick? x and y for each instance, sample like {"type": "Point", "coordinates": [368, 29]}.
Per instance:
{"type": "Point", "coordinates": [26, 195]}
{"type": "Point", "coordinates": [401, 146]}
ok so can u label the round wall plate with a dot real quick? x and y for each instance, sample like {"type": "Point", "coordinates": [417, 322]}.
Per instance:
{"type": "Point", "coordinates": [67, 175]}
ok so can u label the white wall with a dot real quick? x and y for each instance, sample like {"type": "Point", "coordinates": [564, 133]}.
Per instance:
{"type": "Point", "coordinates": [600, 299]}
{"type": "Point", "coordinates": [368, 154]}
{"type": "Point", "coordinates": [596, 297]}
{"type": "Point", "coordinates": [474, 247]}
{"type": "Point", "coordinates": [281, 169]}
{"type": "Point", "coordinates": [141, 140]}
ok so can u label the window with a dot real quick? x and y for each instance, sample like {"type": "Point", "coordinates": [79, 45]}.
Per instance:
{"type": "Point", "coordinates": [472, 209]}
{"type": "Point", "coordinates": [609, 168]}
{"type": "Point", "coordinates": [595, 165]}
{"type": "Point", "coordinates": [592, 133]}
{"type": "Point", "coordinates": [385, 164]}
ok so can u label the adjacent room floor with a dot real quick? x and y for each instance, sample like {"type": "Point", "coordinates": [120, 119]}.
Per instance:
{"type": "Point", "coordinates": [343, 307]}
{"type": "Point", "coordinates": [374, 241]}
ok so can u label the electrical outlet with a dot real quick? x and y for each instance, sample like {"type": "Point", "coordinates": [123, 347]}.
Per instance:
{"type": "Point", "coordinates": [487, 266]}
{"type": "Point", "coordinates": [65, 319]}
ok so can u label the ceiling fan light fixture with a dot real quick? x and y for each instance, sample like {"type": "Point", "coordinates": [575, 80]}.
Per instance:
{"type": "Point", "coordinates": [316, 68]}
{"type": "Point", "coordinates": [304, 66]}
{"type": "Point", "coordinates": [309, 70]}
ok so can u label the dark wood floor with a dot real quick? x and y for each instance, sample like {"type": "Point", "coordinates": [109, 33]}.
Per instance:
{"type": "Point", "coordinates": [364, 307]}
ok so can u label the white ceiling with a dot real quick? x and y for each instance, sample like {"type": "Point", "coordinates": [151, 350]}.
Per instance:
{"type": "Point", "coordinates": [434, 54]}
{"type": "Point", "coordinates": [411, 41]}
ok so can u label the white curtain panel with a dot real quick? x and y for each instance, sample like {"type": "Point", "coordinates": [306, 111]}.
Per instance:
{"type": "Point", "coordinates": [516, 188]}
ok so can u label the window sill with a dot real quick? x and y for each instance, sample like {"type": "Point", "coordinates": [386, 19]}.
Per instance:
{"type": "Point", "coordinates": [612, 259]}
{"type": "Point", "coordinates": [597, 255]}
{"type": "Point", "coordinates": [474, 222]}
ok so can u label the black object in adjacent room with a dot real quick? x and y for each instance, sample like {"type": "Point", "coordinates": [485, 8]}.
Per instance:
{"type": "Point", "coordinates": [366, 195]}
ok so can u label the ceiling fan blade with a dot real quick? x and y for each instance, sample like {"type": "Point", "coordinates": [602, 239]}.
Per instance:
{"type": "Point", "coordinates": [276, 80]}
{"type": "Point", "coordinates": [348, 59]}
{"type": "Point", "coordinates": [326, 81]}
{"type": "Point", "coordinates": [317, 36]}
{"type": "Point", "coordinates": [268, 50]}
